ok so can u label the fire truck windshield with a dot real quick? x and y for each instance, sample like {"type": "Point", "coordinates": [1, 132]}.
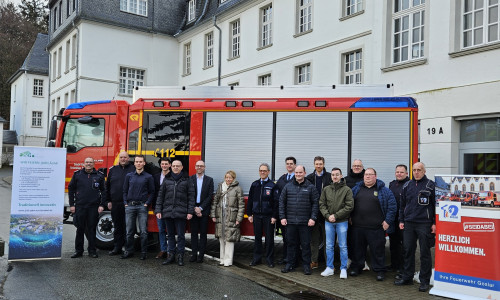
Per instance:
{"type": "Point", "coordinates": [78, 135]}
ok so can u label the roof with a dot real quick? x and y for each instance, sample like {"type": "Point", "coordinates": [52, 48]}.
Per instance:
{"type": "Point", "coordinates": [37, 61]}
{"type": "Point", "coordinates": [10, 137]}
{"type": "Point", "coordinates": [206, 10]}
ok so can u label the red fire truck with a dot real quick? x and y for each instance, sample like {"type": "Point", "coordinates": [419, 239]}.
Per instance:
{"type": "Point", "coordinates": [238, 128]}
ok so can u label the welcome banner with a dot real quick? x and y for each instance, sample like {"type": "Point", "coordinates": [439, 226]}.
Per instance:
{"type": "Point", "coordinates": [36, 219]}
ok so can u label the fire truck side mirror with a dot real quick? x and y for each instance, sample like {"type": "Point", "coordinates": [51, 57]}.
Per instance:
{"type": "Point", "coordinates": [53, 130]}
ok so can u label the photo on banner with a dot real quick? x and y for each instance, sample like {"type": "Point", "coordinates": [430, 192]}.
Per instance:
{"type": "Point", "coordinates": [36, 220]}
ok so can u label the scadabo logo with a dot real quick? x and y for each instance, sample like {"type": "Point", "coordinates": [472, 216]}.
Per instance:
{"type": "Point", "coordinates": [479, 226]}
{"type": "Point", "coordinates": [450, 211]}
{"type": "Point", "coordinates": [26, 154]}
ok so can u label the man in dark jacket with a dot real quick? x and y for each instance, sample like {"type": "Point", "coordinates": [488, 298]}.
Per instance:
{"type": "Point", "coordinates": [320, 178]}
{"type": "Point", "coordinates": [138, 193]}
{"type": "Point", "coordinates": [175, 203]}
{"type": "Point", "coordinates": [204, 192]}
{"type": "Point", "coordinates": [417, 217]}
{"type": "Point", "coordinates": [114, 195]}
{"type": "Point", "coordinates": [356, 173]}
{"type": "Point", "coordinates": [298, 210]}
{"type": "Point", "coordinates": [162, 226]}
{"type": "Point", "coordinates": [374, 211]}
{"type": "Point", "coordinates": [396, 238]}
{"type": "Point", "coordinates": [86, 199]}
{"type": "Point", "coordinates": [290, 163]}
{"type": "Point", "coordinates": [262, 211]}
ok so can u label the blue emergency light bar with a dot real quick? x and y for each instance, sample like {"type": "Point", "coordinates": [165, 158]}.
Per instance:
{"type": "Point", "coordinates": [382, 102]}
{"type": "Point", "coordinates": [81, 105]}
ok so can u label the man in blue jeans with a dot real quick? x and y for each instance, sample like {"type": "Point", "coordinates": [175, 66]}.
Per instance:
{"type": "Point", "coordinates": [335, 204]}
{"type": "Point", "coordinates": [138, 192]}
{"type": "Point", "coordinates": [162, 225]}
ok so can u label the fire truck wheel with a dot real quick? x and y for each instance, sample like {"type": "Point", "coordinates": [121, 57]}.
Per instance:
{"type": "Point", "coordinates": [104, 231]}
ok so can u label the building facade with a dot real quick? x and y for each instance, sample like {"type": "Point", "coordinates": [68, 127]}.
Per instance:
{"type": "Point", "coordinates": [29, 93]}
{"type": "Point", "coordinates": [445, 54]}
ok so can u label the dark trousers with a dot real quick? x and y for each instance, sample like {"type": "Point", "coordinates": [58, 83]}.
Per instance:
{"type": "Point", "coordinates": [199, 225]}
{"type": "Point", "coordinates": [412, 232]}
{"type": "Point", "coordinates": [285, 239]}
{"type": "Point", "coordinates": [263, 224]}
{"type": "Point", "coordinates": [396, 248]}
{"type": "Point", "coordinates": [373, 238]}
{"type": "Point", "coordinates": [86, 223]}
{"type": "Point", "coordinates": [299, 234]}
{"type": "Point", "coordinates": [118, 217]}
{"type": "Point", "coordinates": [176, 225]}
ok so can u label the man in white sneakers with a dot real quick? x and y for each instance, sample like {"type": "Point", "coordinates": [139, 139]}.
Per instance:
{"type": "Point", "coordinates": [335, 204]}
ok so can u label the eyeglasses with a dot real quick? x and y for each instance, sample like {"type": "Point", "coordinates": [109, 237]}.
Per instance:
{"type": "Point", "coordinates": [199, 166]}
{"type": "Point", "coordinates": [357, 166]}
{"type": "Point", "coordinates": [369, 174]}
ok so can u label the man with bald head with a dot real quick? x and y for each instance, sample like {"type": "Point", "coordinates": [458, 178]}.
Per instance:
{"type": "Point", "coordinates": [298, 211]}
{"type": "Point", "coordinates": [114, 196]}
{"type": "Point", "coordinates": [417, 219]}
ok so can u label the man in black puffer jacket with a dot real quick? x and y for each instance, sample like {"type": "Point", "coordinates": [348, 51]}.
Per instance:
{"type": "Point", "coordinates": [175, 203]}
{"type": "Point", "coordinates": [262, 211]}
{"type": "Point", "coordinates": [298, 211]}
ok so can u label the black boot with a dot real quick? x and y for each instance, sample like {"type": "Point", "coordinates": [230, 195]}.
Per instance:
{"type": "Point", "coordinates": [180, 259]}
{"type": "Point", "coordinates": [170, 259]}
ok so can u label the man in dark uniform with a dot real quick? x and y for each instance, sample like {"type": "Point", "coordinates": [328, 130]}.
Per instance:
{"type": "Point", "coordinates": [417, 219]}
{"type": "Point", "coordinates": [280, 184]}
{"type": "Point", "coordinates": [114, 195]}
{"type": "Point", "coordinates": [204, 192]}
{"type": "Point", "coordinates": [262, 211]}
{"type": "Point", "coordinates": [396, 238]}
{"type": "Point", "coordinates": [86, 197]}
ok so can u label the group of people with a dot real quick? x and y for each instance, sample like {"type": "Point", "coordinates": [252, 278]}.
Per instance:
{"type": "Point", "coordinates": [356, 211]}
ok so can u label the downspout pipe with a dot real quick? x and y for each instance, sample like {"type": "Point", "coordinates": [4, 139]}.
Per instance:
{"type": "Point", "coordinates": [220, 50]}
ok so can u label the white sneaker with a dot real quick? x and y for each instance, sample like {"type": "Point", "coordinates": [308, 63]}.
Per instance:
{"type": "Point", "coordinates": [366, 268]}
{"type": "Point", "coordinates": [343, 273]}
{"type": "Point", "coordinates": [327, 272]}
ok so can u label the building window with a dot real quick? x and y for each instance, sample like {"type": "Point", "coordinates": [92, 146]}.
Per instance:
{"type": "Point", "coordinates": [138, 7]}
{"type": "Point", "coordinates": [266, 31]}
{"type": "Point", "coordinates": [67, 56]}
{"type": "Point", "coordinates": [74, 5]}
{"type": "Point", "coordinates": [60, 13]}
{"type": "Point", "coordinates": [38, 87]}
{"type": "Point", "coordinates": [464, 188]}
{"type": "Point", "coordinates": [235, 39]}
{"type": "Point", "coordinates": [222, 1]}
{"type": "Point", "coordinates": [54, 65]}
{"type": "Point", "coordinates": [130, 78]}
{"type": "Point", "coordinates": [187, 59]}
{"type": "Point", "coordinates": [209, 50]}
{"type": "Point", "coordinates": [36, 119]}
{"type": "Point", "coordinates": [303, 74]}
{"type": "Point", "coordinates": [480, 22]}
{"type": "Point", "coordinates": [472, 187]}
{"type": "Point", "coordinates": [352, 7]}
{"type": "Point", "coordinates": [353, 67]}
{"type": "Point", "coordinates": [265, 79]}
{"type": "Point", "coordinates": [408, 30]}
{"type": "Point", "coordinates": [73, 51]}
{"type": "Point", "coordinates": [68, 7]}
{"type": "Point", "coordinates": [191, 10]}
{"type": "Point", "coordinates": [54, 25]}
{"type": "Point", "coordinates": [304, 16]}
{"type": "Point", "coordinates": [480, 130]}
{"type": "Point", "coordinates": [492, 186]}
{"type": "Point", "coordinates": [59, 62]}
